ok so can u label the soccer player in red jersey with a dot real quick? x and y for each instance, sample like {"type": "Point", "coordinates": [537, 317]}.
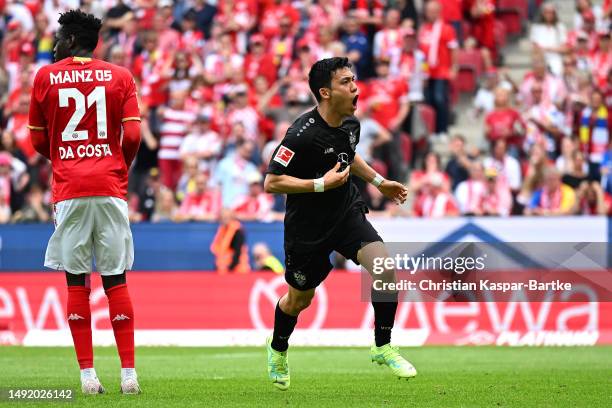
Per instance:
{"type": "Point", "coordinates": [84, 117]}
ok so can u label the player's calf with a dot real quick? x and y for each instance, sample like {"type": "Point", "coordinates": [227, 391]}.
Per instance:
{"type": "Point", "coordinates": [122, 321]}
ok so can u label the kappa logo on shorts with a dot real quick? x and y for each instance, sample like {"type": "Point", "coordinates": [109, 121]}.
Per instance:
{"type": "Point", "coordinates": [299, 277]}
{"type": "Point", "coordinates": [284, 155]}
{"type": "Point", "coordinates": [120, 317]}
{"type": "Point", "coordinates": [74, 316]}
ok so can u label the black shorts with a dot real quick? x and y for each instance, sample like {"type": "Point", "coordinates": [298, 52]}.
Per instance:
{"type": "Point", "coordinates": [307, 270]}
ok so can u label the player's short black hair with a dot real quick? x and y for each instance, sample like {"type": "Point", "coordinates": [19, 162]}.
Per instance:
{"type": "Point", "coordinates": [85, 28]}
{"type": "Point", "coordinates": [321, 73]}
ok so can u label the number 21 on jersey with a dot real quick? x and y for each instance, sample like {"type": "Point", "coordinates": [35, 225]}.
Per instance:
{"type": "Point", "coordinates": [97, 97]}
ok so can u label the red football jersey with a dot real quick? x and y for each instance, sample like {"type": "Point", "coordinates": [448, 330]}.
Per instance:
{"type": "Point", "coordinates": [82, 103]}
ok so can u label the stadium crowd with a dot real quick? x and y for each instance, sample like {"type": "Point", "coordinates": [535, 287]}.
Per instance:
{"type": "Point", "coordinates": [221, 81]}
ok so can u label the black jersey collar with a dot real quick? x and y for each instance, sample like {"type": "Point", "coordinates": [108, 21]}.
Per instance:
{"type": "Point", "coordinates": [321, 122]}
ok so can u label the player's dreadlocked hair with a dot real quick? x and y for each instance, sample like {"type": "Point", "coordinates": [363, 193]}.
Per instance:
{"type": "Point", "coordinates": [321, 73]}
{"type": "Point", "coordinates": [85, 28]}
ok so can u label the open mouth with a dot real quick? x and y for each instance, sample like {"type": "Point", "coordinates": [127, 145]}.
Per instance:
{"type": "Point", "coordinates": [355, 100]}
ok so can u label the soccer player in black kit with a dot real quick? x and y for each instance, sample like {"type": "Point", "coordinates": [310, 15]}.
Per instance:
{"type": "Point", "coordinates": [325, 212]}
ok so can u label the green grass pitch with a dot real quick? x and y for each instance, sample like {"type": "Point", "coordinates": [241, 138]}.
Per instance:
{"type": "Point", "coordinates": [327, 377]}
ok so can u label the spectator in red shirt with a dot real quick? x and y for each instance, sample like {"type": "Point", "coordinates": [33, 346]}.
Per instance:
{"type": "Point", "coordinates": [221, 65]}
{"type": "Point", "coordinates": [592, 200]}
{"type": "Point", "coordinates": [505, 122]}
{"type": "Point", "coordinates": [452, 12]}
{"type": "Point", "coordinates": [274, 14]}
{"type": "Point", "coordinates": [431, 169]}
{"type": "Point", "coordinates": [259, 62]}
{"type": "Point", "coordinates": [435, 201]}
{"type": "Point", "coordinates": [192, 40]}
{"type": "Point", "coordinates": [238, 17]}
{"type": "Point", "coordinates": [483, 20]}
{"type": "Point", "coordinates": [387, 98]}
{"type": "Point", "coordinates": [588, 30]}
{"type": "Point", "coordinates": [325, 13]}
{"type": "Point", "coordinates": [203, 204]}
{"type": "Point", "coordinates": [256, 205]}
{"type": "Point", "coordinates": [437, 40]}
{"type": "Point", "coordinates": [148, 69]}
{"type": "Point", "coordinates": [168, 37]}
{"type": "Point", "coordinates": [601, 60]}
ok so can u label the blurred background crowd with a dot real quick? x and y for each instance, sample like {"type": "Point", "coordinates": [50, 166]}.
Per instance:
{"type": "Point", "coordinates": [220, 81]}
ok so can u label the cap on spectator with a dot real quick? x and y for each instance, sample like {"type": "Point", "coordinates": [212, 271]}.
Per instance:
{"type": "Point", "coordinates": [165, 3]}
{"type": "Point", "coordinates": [254, 178]}
{"type": "Point", "coordinates": [257, 39]}
{"type": "Point", "coordinates": [5, 159]}
{"type": "Point", "coordinates": [491, 71]}
{"type": "Point", "coordinates": [13, 25]}
{"type": "Point", "coordinates": [588, 16]}
{"type": "Point", "coordinates": [303, 44]}
{"type": "Point", "coordinates": [27, 49]}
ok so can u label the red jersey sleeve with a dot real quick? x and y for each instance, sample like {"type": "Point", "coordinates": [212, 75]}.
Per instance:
{"type": "Point", "coordinates": [37, 119]}
{"type": "Point", "coordinates": [130, 110]}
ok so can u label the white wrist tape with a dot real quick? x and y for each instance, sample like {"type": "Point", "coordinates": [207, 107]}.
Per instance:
{"type": "Point", "coordinates": [378, 179]}
{"type": "Point", "coordinates": [319, 185]}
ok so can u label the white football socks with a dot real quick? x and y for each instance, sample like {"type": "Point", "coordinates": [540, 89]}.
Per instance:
{"type": "Point", "coordinates": [88, 373]}
{"type": "Point", "coordinates": [128, 373]}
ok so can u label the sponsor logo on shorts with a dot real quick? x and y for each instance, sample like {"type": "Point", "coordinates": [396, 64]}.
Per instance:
{"type": "Point", "coordinates": [120, 317]}
{"type": "Point", "coordinates": [284, 155]}
{"type": "Point", "coordinates": [299, 277]}
{"type": "Point", "coordinates": [74, 316]}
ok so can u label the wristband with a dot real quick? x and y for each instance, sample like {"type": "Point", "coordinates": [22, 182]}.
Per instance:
{"type": "Point", "coordinates": [319, 185]}
{"type": "Point", "coordinates": [378, 179]}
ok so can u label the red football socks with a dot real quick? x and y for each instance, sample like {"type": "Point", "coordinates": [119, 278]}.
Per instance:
{"type": "Point", "coordinates": [122, 320]}
{"type": "Point", "coordinates": [79, 321]}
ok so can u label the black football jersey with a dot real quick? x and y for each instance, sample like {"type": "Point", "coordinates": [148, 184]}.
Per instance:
{"type": "Point", "coordinates": [310, 149]}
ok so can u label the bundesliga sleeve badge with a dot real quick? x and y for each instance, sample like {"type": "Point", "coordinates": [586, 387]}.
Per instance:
{"type": "Point", "coordinates": [284, 155]}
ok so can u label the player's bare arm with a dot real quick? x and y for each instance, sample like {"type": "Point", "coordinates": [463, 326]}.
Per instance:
{"type": "Point", "coordinates": [284, 184]}
{"type": "Point", "coordinates": [391, 189]}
